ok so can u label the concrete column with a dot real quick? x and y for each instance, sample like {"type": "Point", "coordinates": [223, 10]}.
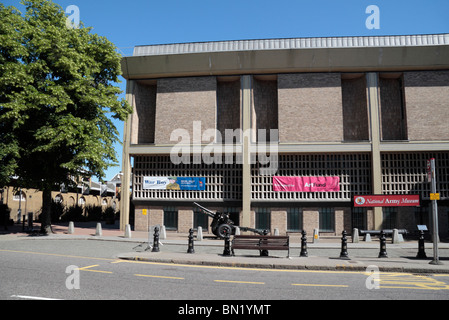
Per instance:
{"type": "Point", "coordinates": [374, 107]}
{"type": "Point", "coordinates": [126, 163]}
{"type": "Point", "coordinates": [246, 163]}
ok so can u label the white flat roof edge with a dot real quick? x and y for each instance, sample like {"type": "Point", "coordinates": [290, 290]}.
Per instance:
{"type": "Point", "coordinates": [293, 43]}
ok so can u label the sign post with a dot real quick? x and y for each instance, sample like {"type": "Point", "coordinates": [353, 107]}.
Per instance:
{"type": "Point", "coordinates": [434, 212]}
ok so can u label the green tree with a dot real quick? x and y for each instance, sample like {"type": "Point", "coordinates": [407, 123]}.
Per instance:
{"type": "Point", "coordinates": [58, 94]}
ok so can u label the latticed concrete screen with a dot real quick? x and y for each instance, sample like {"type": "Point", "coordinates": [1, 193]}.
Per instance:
{"type": "Point", "coordinates": [354, 171]}
{"type": "Point", "coordinates": [402, 173]}
{"type": "Point", "coordinates": [223, 181]}
{"type": "Point", "coordinates": [405, 173]}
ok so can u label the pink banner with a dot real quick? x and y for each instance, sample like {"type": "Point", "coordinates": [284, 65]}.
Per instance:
{"type": "Point", "coordinates": [306, 184]}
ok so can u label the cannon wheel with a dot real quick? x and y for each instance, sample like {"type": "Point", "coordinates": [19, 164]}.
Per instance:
{"type": "Point", "coordinates": [223, 230]}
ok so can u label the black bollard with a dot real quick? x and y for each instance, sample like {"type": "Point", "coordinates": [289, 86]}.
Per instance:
{"type": "Point", "coordinates": [156, 240]}
{"type": "Point", "coordinates": [303, 252]}
{"type": "Point", "coordinates": [421, 249]}
{"type": "Point", "coordinates": [344, 246]}
{"type": "Point", "coordinates": [191, 248]}
{"type": "Point", "coordinates": [227, 245]}
{"type": "Point", "coordinates": [383, 245]}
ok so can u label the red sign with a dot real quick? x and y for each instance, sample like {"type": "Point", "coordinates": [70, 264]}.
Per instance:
{"type": "Point", "coordinates": [405, 200]}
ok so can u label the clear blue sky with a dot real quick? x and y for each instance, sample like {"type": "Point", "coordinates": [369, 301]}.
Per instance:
{"type": "Point", "coordinates": [142, 22]}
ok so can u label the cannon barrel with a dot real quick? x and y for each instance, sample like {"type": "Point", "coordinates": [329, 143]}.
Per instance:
{"type": "Point", "coordinates": [221, 224]}
{"type": "Point", "coordinates": [387, 231]}
{"type": "Point", "coordinates": [205, 210]}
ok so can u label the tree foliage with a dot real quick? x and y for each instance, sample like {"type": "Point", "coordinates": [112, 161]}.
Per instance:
{"type": "Point", "coordinates": [58, 94]}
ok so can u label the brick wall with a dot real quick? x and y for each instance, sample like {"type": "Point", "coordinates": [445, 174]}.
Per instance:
{"type": "Point", "coordinates": [311, 220]}
{"type": "Point", "coordinates": [185, 220]}
{"type": "Point", "coordinates": [279, 220]}
{"type": "Point", "coordinates": [140, 220]}
{"type": "Point", "coordinates": [306, 107]}
{"type": "Point", "coordinates": [143, 118]}
{"type": "Point", "coordinates": [228, 106]}
{"type": "Point", "coordinates": [154, 216]}
{"type": "Point", "coordinates": [427, 101]}
{"type": "Point", "coordinates": [265, 107]}
{"type": "Point", "coordinates": [180, 102]}
{"type": "Point", "coordinates": [310, 107]}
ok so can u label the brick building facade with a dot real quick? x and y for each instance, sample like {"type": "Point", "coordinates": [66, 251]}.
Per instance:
{"type": "Point", "coordinates": [369, 111]}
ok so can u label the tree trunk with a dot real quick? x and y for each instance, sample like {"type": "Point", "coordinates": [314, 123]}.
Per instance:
{"type": "Point", "coordinates": [46, 212]}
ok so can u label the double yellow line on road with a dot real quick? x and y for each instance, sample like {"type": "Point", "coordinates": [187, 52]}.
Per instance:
{"type": "Point", "coordinates": [386, 281]}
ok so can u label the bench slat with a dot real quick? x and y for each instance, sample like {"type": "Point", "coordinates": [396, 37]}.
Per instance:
{"type": "Point", "coordinates": [272, 248]}
{"type": "Point", "coordinates": [261, 242]}
{"type": "Point", "coordinates": [260, 237]}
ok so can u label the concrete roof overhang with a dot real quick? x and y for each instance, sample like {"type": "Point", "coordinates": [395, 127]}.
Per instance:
{"type": "Point", "coordinates": [373, 58]}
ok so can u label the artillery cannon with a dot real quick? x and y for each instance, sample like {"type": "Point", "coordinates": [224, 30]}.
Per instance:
{"type": "Point", "coordinates": [221, 223]}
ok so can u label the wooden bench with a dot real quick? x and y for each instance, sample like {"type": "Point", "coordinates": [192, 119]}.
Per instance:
{"type": "Point", "coordinates": [261, 243]}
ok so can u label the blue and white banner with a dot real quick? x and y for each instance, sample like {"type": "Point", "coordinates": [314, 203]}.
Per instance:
{"type": "Point", "coordinates": [174, 183]}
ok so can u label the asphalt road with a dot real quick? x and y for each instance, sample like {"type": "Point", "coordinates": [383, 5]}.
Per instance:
{"type": "Point", "coordinates": [87, 270]}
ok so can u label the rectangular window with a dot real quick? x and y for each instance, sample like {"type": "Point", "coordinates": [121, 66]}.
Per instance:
{"type": "Point", "coordinates": [263, 218]}
{"type": "Point", "coordinates": [234, 214]}
{"type": "Point", "coordinates": [389, 218]}
{"type": "Point", "coordinates": [422, 216]}
{"type": "Point", "coordinates": [171, 218]}
{"type": "Point", "coordinates": [200, 219]}
{"type": "Point", "coordinates": [294, 220]}
{"type": "Point", "coordinates": [327, 220]}
{"type": "Point", "coordinates": [359, 218]}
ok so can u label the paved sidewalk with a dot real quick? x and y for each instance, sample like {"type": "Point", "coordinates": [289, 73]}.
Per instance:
{"type": "Point", "coordinates": [323, 255]}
